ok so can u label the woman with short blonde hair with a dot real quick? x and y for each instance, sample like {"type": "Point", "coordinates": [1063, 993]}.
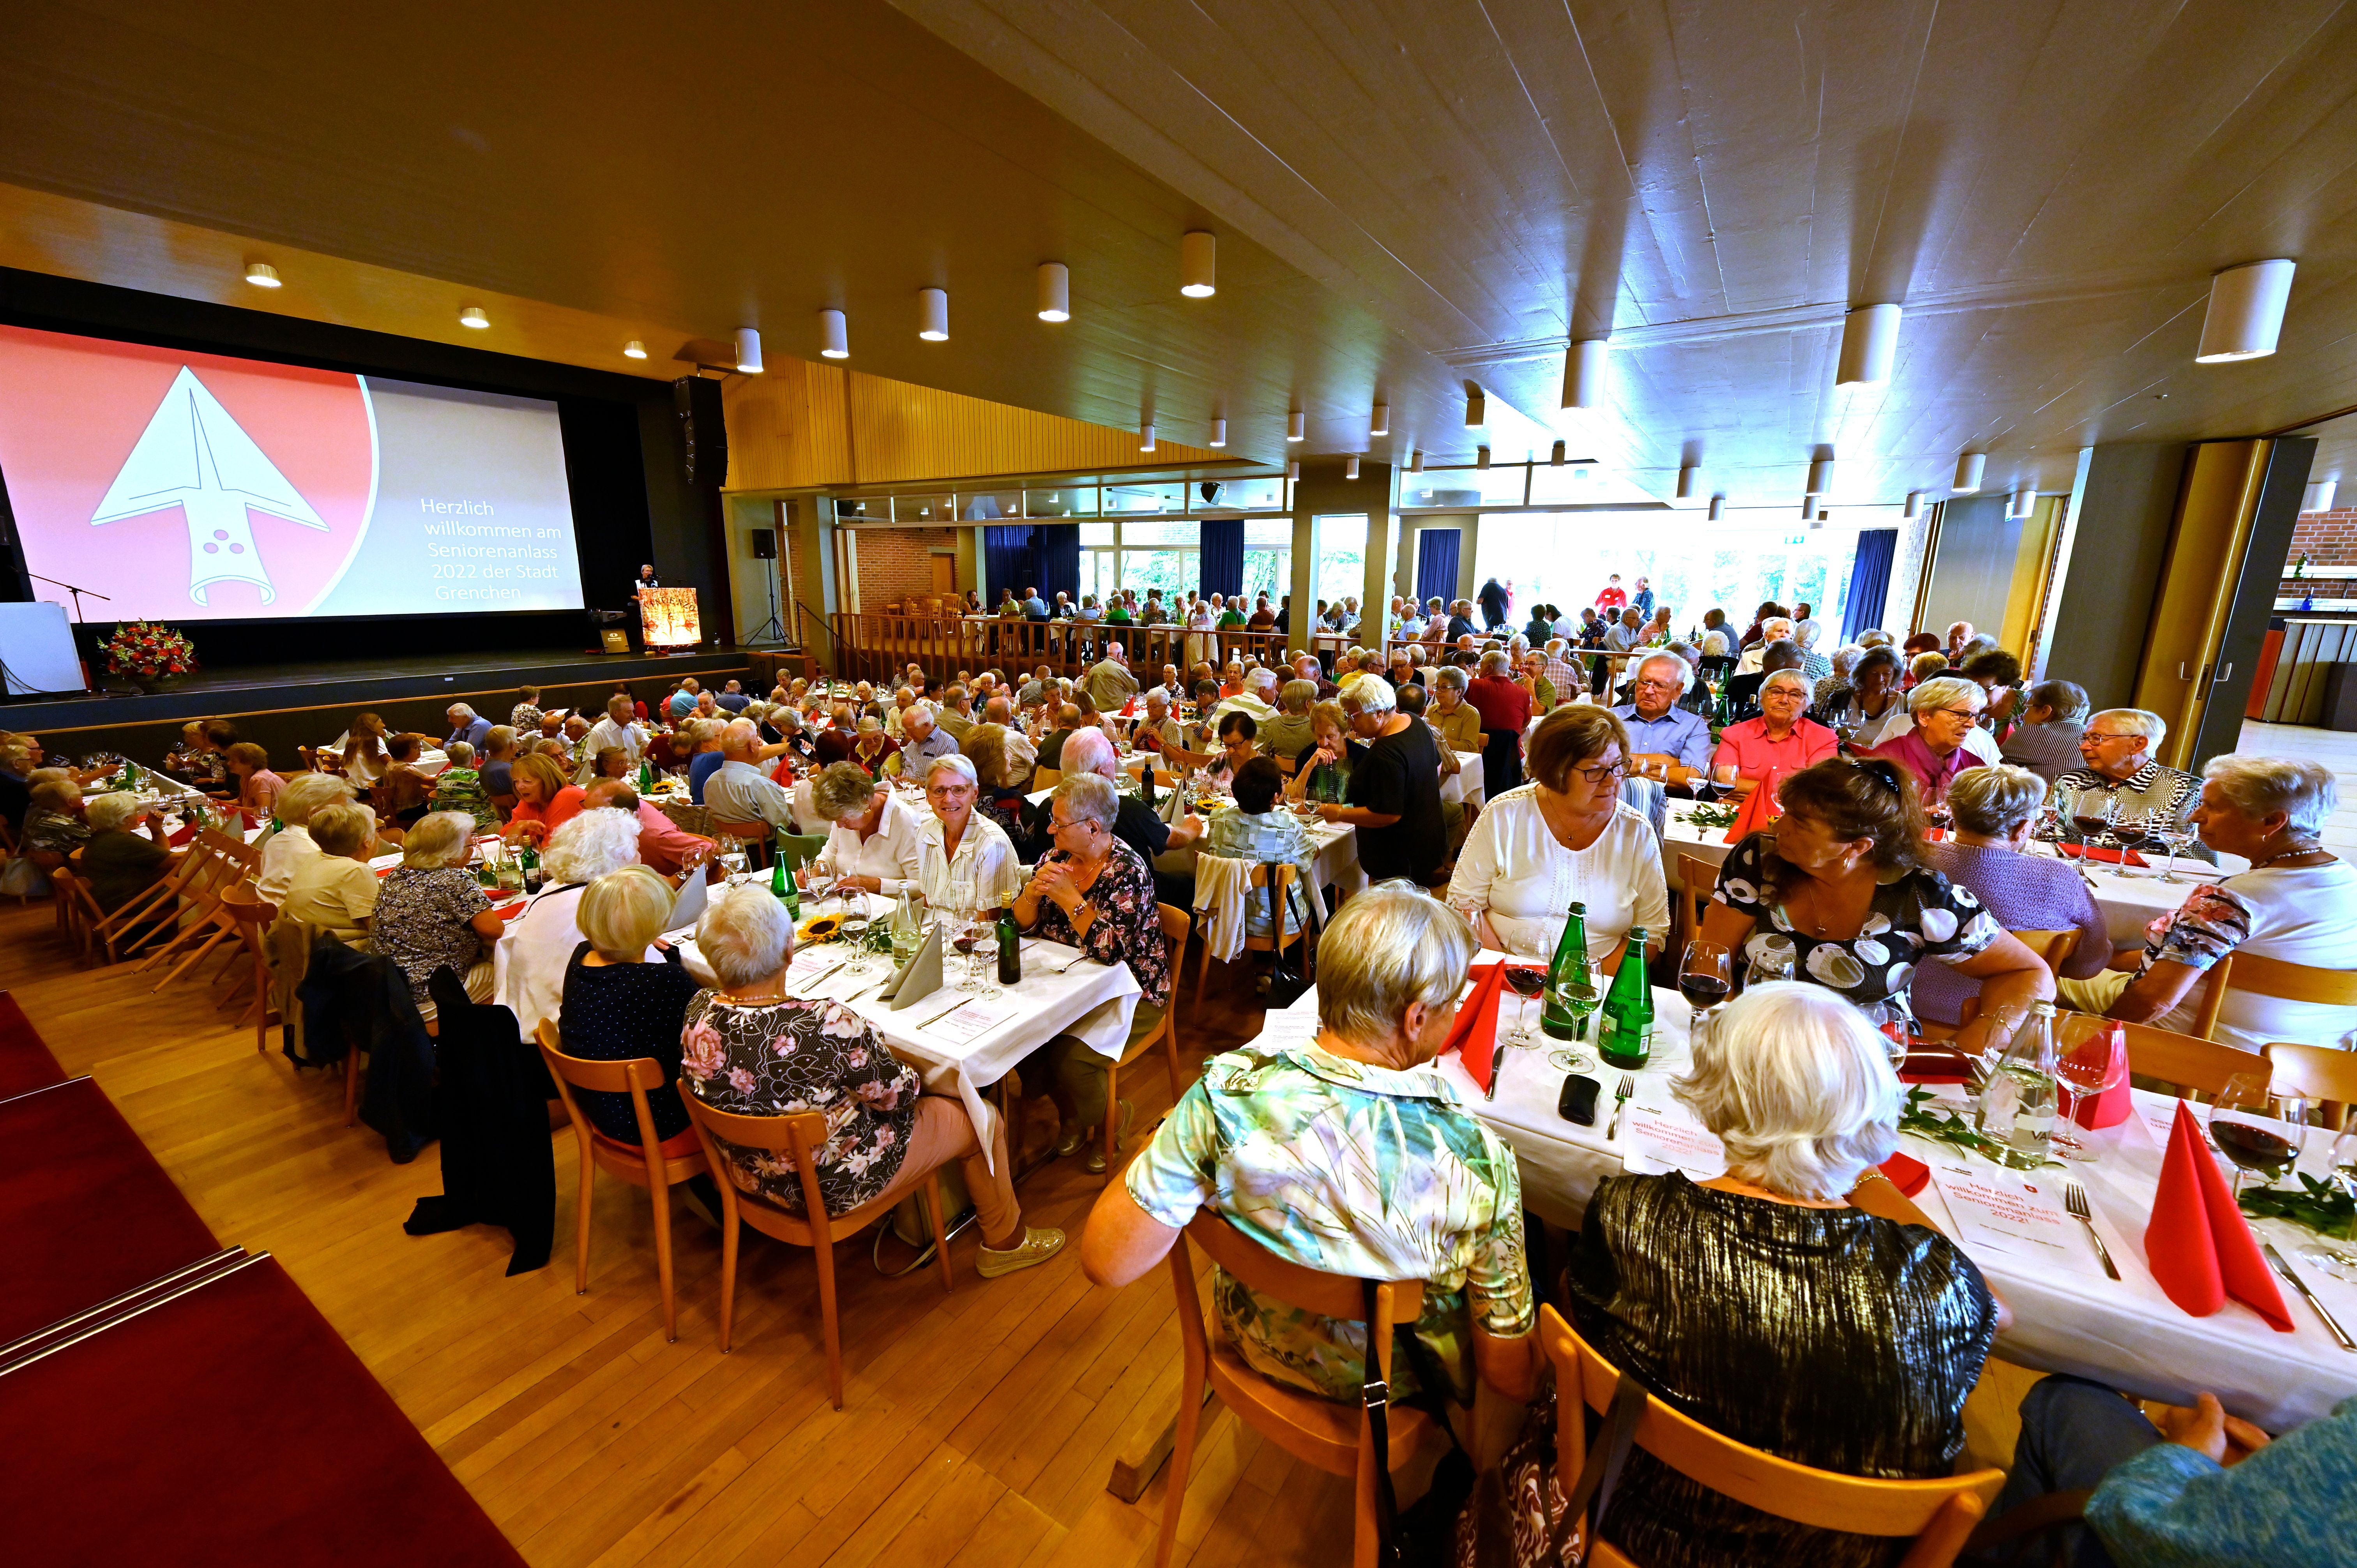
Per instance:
{"type": "Point", "coordinates": [430, 913]}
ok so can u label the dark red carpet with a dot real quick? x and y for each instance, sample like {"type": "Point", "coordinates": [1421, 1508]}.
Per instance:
{"type": "Point", "coordinates": [24, 1062]}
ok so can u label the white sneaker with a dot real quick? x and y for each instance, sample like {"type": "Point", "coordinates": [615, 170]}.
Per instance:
{"type": "Point", "coordinates": [1039, 1245]}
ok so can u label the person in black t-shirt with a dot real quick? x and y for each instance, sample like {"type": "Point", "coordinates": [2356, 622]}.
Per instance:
{"type": "Point", "coordinates": [1394, 788]}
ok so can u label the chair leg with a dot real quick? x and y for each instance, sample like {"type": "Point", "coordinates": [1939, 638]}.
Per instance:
{"type": "Point", "coordinates": [932, 1202]}
{"type": "Point", "coordinates": [351, 1086]}
{"type": "Point", "coordinates": [659, 1191]}
{"type": "Point", "coordinates": [581, 1212]}
{"type": "Point", "coordinates": [825, 1252]}
{"type": "Point", "coordinates": [728, 1229]}
{"type": "Point", "coordinates": [1202, 972]}
{"type": "Point", "coordinates": [1182, 1457]}
{"type": "Point", "coordinates": [1170, 1050]}
{"type": "Point", "coordinates": [1113, 1116]}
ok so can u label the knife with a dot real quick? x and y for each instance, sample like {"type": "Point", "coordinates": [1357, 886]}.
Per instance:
{"type": "Point", "coordinates": [944, 1013]}
{"type": "Point", "coordinates": [2300, 1286]}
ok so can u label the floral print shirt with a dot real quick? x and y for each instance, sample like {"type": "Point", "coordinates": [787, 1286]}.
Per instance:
{"type": "Point", "coordinates": [1916, 915]}
{"type": "Point", "coordinates": [1128, 927]}
{"type": "Point", "coordinates": [1354, 1169]}
{"type": "Point", "coordinates": [461, 789]}
{"type": "Point", "coordinates": [773, 1059]}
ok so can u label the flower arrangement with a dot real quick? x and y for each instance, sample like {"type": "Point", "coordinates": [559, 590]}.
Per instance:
{"type": "Point", "coordinates": [148, 650]}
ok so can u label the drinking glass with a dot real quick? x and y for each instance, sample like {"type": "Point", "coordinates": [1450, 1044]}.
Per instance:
{"type": "Point", "coordinates": [2255, 1135]}
{"type": "Point", "coordinates": [1706, 977]}
{"type": "Point", "coordinates": [2094, 823]}
{"type": "Point", "coordinates": [958, 922]}
{"type": "Point", "coordinates": [985, 931]}
{"type": "Point", "coordinates": [2087, 1067]}
{"type": "Point", "coordinates": [2177, 837]}
{"type": "Point", "coordinates": [853, 930]}
{"type": "Point", "coordinates": [1769, 963]}
{"type": "Point", "coordinates": [1526, 983]}
{"type": "Point", "coordinates": [2338, 1261]}
{"type": "Point", "coordinates": [2133, 831]}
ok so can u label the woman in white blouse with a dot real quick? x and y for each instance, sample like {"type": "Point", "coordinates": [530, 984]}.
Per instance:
{"type": "Point", "coordinates": [967, 864]}
{"type": "Point", "coordinates": [877, 842]}
{"type": "Point", "coordinates": [1566, 837]}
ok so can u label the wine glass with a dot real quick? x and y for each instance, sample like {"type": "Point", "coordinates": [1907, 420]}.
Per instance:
{"type": "Point", "coordinates": [984, 930]}
{"type": "Point", "coordinates": [853, 929]}
{"type": "Point", "coordinates": [2093, 821]}
{"type": "Point", "coordinates": [2177, 837]}
{"type": "Point", "coordinates": [1527, 983]}
{"type": "Point", "coordinates": [1773, 961]}
{"type": "Point", "coordinates": [2132, 830]}
{"type": "Point", "coordinates": [2090, 1066]}
{"type": "Point", "coordinates": [2254, 1135]}
{"type": "Point", "coordinates": [2338, 1261]}
{"type": "Point", "coordinates": [1705, 976]}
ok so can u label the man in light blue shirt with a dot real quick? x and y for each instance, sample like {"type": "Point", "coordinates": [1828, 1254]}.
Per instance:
{"type": "Point", "coordinates": [1665, 741]}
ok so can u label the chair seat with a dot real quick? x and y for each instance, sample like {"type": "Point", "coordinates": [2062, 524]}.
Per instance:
{"type": "Point", "coordinates": [773, 1218]}
{"type": "Point", "coordinates": [683, 1156]}
{"type": "Point", "coordinates": [1324, 1431]}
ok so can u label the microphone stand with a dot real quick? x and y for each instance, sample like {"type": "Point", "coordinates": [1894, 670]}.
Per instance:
{"type": "Point", "coordinates": [69, 588]}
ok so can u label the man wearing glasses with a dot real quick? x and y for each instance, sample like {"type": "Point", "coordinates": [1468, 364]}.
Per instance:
{"type": "Point", "coordinates": [2117, 746]}
{"type": "Point", "coordinates": [1666, 742]}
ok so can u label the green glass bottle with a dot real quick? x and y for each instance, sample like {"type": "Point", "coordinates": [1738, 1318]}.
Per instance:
{"type": "Point", "coordinates": [1570, 983]}
{"type": "Point", "coordinates": [646, 777]}
{"type": "Point", "coordinates": [1624, 1029]}
{"type": "Point", "coordinates": [783, 883]}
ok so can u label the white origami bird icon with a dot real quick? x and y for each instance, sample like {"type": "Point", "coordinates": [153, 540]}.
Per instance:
{"type": "Point", "coordinates": [194, 456]}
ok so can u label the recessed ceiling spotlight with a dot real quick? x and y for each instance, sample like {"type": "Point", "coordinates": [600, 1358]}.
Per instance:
{"type": "Point", "coordinates": [1969, 466]}
{"type": "Point", "coordinates": [1351, 466]}
{"type": "Point", "coordinates": [933, 315]}
{"type": "Point", "coordinates": [1381, 425]}
{"type": "Point", "coordinates": [834, 336]}
{"type": "Point", "coordinates": [1296, 425]}
{"type": "Point", "coordinates": [634, 350]}
{"type": "Point", "coordinates": [262, 274]}
{"type": "Point", "coordinates": [1199, 253]}
{"type": "Point", "coordinates": [1869, 346]}
{"type": "Point", "coordinates": [749, 351]}
{"type": "Point", "coordinates": [2246, 312]}
{"type": "Point", "coordinates": [1055, 292]}
{"type": "Point", "coordinates": [473, 316]}
{"type": "Point", "coordinates": [1219, 432]}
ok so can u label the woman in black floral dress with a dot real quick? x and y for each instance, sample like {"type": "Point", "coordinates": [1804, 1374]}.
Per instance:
{"type": "Point", "coordinates": [1840, 893]}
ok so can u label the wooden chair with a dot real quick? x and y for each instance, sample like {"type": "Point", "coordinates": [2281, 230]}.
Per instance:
{"type": "Point", "coordinates": [251, 914]}
{"type": "Point", "coordinates": [1697, 880]}
{"type": "Point", "coordinates": [2325, 1075]}
{"type": "Point", "coordinates": [2053, 948]}
{"type": "Point", "coordinates": [2183, 1065]}
{"type": "Point", "coordinates": [798, 850]}
{"type": "Point", "coordinates": [1278, 941]}
{"type": "Point", "coordinates": [753, 838]}
{"type": "Point", "coordinates": [1936, 1515]}
{"type": "Point", "coordinates": [650, 1163]}
{"type": "Point", "coordinates": [1183, 762]}
{"type": "Point", "coordinates": [2255, 975]}
{"type": "Point", "coordinates": [1047, 778]}
{"type": "Point", "coordinates": [79, 917]}
{"type": "Point", "coordinates": [1175, 924]}
{"type": "Point", "coordinates": [815, 1228]}
{"type": "Point", "coordinates": [1327, 1434]}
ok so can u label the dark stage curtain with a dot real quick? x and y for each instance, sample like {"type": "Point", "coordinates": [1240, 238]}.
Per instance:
{"type": "Point", "coordinates": [1436, 563]}
{"type": "Point", "coordinates": [1060, 560]}
{"type": "Point", "coordinates": [1223, 555]}
{"type": "Point", "coordinates": [1869, 580]}
{"type": "Point", "coordinates": [1010, 560]}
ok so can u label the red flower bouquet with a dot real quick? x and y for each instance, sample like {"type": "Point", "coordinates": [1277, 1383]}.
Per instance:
{"type": "Point", "coordinates": [148, 651]}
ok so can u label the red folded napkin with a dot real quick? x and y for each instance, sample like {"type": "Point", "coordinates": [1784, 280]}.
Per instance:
{"type": "Point", "coordinates": [2112, 1106]}
{"type": "Point", "coordinates": [1907, 1175]}
{"type": "Point", "coordinates": [182, 835]}
{"type": "Point", "coordinates": [2198, 1246]}
{"type": "Point", "coordinates": [1760, 808]}
{"type": "Point", "coordinates": [1475, 1035]}
{"type": "Point", "coordinates": [2103, 852]}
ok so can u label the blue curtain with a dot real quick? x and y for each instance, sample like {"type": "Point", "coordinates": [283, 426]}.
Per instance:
{"type": "Point", "coordinates": [1436, 563]}
{"type": "Point", "coordinates": [1010, 560]}
{"type": "Point", "coordinates": [1869, 580]}
{"type": "Point", "coordinates": [1060, 560]}
{"type": "Point", "coordinates": [1223, 555]}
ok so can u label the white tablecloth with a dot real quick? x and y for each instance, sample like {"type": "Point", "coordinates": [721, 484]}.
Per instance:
{"type": "Point", "coordinates": [1465, 784]}
{"type": "Point", "coordinates": [1090, 1000]}
{"type": "Point", "coordinates": [2124, 1332]}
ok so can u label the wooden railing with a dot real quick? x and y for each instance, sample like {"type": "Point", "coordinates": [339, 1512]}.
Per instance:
{"type": "Point", "coordinates": [870, 647]}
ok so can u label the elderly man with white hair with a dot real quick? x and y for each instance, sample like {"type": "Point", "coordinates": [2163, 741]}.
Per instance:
{"type": "Point", "coordinates": [922, 741]}
{"type": "Point", "coordinates": [1665, 741]}
{"type": "Point", "coordinates": [1813, 664]}
{"type": "Point", "coordinates": [2117, 746]}
{"type": "Point", "coordinates": [1306, 667]}
{"type": "Point", "coordinates": [1109, 683]}
{"type": "Point", "coordinates": [1269, 1139]}
{"type": "Point", "coordinates": [739, 791]}
{"type": "Point", "coordinates": [616, 729]}
{"type": "Point", "coordinates": [465, 724]}
{"type": "Point", "coordinates": [530, 961]}
{"type": "Point", "coordinates": [1258, 698]}
{"type": "Point", "coordinates": [1136, 825]}
{"type": "Point", "coordinates": [1393, 788]}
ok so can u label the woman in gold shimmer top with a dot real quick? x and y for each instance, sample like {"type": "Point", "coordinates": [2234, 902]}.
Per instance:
{"type": "Point", "coordinates": [1769, 1304]}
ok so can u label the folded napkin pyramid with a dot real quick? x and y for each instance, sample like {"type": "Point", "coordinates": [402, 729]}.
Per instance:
{"type": "Point", "coordinates": [2198, 1246]}
{"type": "Point", "coordinates": [1475, 1036]}
{"type": "Point", "coordinates": [1760, 808]}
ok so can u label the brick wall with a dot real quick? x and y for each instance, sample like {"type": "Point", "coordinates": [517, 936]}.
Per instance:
{"type": "Point", "coordinates": [895, 563]}
{"type": "Point", "coordinates": [2329, 540]}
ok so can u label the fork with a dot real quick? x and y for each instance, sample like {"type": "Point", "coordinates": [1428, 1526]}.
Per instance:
{"type": "Point", "coordinates": [2075, 1198]}
{"type": "Point", "coordinates": [1620, 1093]}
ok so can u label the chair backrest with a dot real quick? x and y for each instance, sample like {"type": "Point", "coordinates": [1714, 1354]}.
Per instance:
{"type": "Point", "coordinates": [244, 902]}
{"type": "Point", "coordinates": [1697, 880]}
{"type": "Point", "coordinates": [2053, 948]}
{"type": "Point", "coordinates": [1945, 1507]}
{"type": "Point", "coordinates": [2256, 975]}
{"type": "Point", "coordinates": [1175, 924]}
{"type": "Point", "coordinates": [1185, 761]}
{"type": "Point", "coordinates": [634, 1076]}
{"type": "Point", "coordinates": [1047, 778]}
{"type": "Point", "coordinates": [757, 831]}
{"type": "Point", "coordinates": [797, 1132]}
{"type": "Point", "coordinates": [1338, 1296]}
{"type": "Point", "coordinates": [798, 849]}
{"type": "Point", "coordinates": [2326, 1075]}
{"type": "Point", "coordinates": [2187, 1064]}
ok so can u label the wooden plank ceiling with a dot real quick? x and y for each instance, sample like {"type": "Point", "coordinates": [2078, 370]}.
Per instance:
{"type": "Point", "coordinates": [1410, 195]}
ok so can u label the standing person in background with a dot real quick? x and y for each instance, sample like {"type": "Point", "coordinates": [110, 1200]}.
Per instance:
{"type": "Point", "coordinates": [1614, 598]}
{"type": "Point", "coordinates": [1495, 601]}
{"type": "Point", "coordinates": [1641, 601]}
{"type": "Point", "coordinates": [524, 718]}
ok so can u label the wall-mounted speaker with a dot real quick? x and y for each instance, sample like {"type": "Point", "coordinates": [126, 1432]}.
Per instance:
{"type": "Point", "coordinates": [703, 431]}
{"type": "Point", "coordinates": [765, 544]}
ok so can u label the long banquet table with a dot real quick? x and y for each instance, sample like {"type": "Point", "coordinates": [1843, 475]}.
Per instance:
{"type": "Point", "coordinates": [2068, 1315]}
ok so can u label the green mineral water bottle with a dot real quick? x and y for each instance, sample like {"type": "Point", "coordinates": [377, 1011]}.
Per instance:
{"type": "Point", "coordinates": [1624, 1029]}
{"type": "Point", "coordinates": [646, 777]}
{"type": "Point", "coordinates": [781, 881]}
{"type": "Point", "coordinates": [1570, 983]}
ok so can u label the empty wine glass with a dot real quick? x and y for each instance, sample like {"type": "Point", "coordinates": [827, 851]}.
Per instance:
{"type": "Point", "coordinates": [1773, 960]}
{"type": "Point", "coordinates": [2338, 1261]}
{"type": "Point", "coordinates": [2088, 1067]}
{"type": "Point", "coordinates": [853, 929]}
{"type": "Point", "coordinates": [2256, 1131]}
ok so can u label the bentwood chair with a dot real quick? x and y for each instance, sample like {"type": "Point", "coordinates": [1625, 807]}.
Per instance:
{"type": "Point", "coordinates": [2053, 948]}
{"type": "Point", "coordinates": [1286, 936]}
{"type": "Point", "coordinates": [1331, 1435]}
{"type": "Point", "coordinates": [1935, 1515]}
{"type": "Point", "coordinates": [1175, 923]}
{"type": "Point", "coordinates": [654, 1163]}
{"type": "Point", "coordinates": [2183, 1065]}
{"type": "Point", "coordinates": [2325, 1075]}
{"type": "Point", "coordinates": [797, 1135]}
{"type": "Point", "coordinates": [753, 838]}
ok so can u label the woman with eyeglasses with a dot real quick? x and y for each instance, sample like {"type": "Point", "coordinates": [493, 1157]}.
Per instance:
{"type": "Point", "coordinates": [1778, 743]}
{"type": "Point", "coordinates": [1841, 893]}
{"type": "Point", "coordinates": [1566, 836]}
{"type": "Point", "coordinates": [1946, 710]}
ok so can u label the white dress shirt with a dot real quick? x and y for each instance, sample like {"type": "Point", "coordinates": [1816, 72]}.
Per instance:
{"type": "Point", "coordinates": [983, 875]}
{"type": "Point", "coordinates": [603, 734]}
{"type": "Point", "coordinates": [893, 854]}
{"type": "Point", "coordinates": [1513, 869]}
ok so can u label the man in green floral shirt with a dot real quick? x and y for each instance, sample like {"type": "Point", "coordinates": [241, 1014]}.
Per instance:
{"type": "Point", "coordinates": [1347, 1154]}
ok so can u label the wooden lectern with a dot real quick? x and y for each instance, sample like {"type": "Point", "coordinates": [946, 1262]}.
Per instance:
{"type": "Point", "coordinates": [668, 617]}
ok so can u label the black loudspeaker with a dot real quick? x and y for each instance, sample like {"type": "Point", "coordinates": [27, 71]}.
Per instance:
{"type": "Point", "coordinates": [765, 544]}
{"type": "Point", "coordinates": [703, 431]}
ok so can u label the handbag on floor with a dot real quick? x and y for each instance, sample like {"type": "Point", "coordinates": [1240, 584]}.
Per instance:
{"type": "Point", "coordinates": [1518, 1515]}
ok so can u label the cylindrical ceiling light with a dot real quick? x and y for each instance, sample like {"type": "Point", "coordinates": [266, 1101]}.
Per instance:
{"type": "Point", "coordinates": [1869, 344]}
{"type": "Point", "coordinates": [1296, 425]}
{"type": "Point", "coordinates": [473, 316]}
{"type": "Point", "coordinates": [1199, 255]}
{"type": "Point", "coordinates": [1146, 436]}
{"type": "Point", "coordinates": [1481, 457]}
{"type": "Point", "coordinates": [933, 315]}
{"type": "Point", "coordinates": [1555, 456]}
{"type": "Point", "coordinates": [1293, 469]}
{"type": "Point", "coordinates": [2319, 495]}
{"type": "Point", "coordinates": [1055, 292]}
{"type": "Point", "coordinates": [834, 336]}
{"type": "Point", "coordinates": [262, 274]}
{"type": "Point", "coordinates": [1416, 462]}
{"type": "Point", "coordinates": [634, 350]}
{"type": "Point", "coordinates": [749, 351]}
{"type": "Point", "coordinates": [1718, 507]}
{"type": "Point", "coordinates": [2024, 499]}
{"type": "Point", "coordinates": [1969, 465]}
{"type": "Point", "coordinates": [1351, 466]}
{"type": "Point", "coordinates": [1820, 475]}
{"type": "Point", "coordinates": [1914, 504]}
{"type": "Point", "coordinates": [1583, 374]}
{"type": "Point", "coordinates": [1689, 480]}
{"type": "Point", "coordinates": [1381, 425]}
{"type": "Point", "coordinates": [1477, 410]}
{"type": "Point", "coordinates": [2246, 312]}
{"type": "Point", "coordinates": [1219, 432]}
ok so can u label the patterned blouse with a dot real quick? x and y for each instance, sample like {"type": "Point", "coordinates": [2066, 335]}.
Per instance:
{"type": "Point", "coordinates": [524, 719]}
{"type": "Point", "coordinates": [422, 921]}
{"type": "Point", "coordinates": [1916, 915]}
{"type": "Point", "coordinates": [1234, 833]}
{"type": "Point", "coordinates": [461, 789]}
{"type": "Point", "coordinates": [1355, 1169]}
{"type": "Point", "coordinates": [61, 831]}
{"type": "Point", "coordinates": [768, 1059]}
{"type": "Point", "coordinates": [1127, 927]}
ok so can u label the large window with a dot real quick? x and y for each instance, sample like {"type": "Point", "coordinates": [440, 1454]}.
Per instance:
{"type": "Point", "coordinates": [1693, 565]}
{"type": "Point", "coordinates": [1268, 557]}
{"type": "Point", "coordinates": [1342, 556]}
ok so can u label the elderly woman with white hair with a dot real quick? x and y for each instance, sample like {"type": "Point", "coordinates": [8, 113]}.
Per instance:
{"type": "Point", "coordinates": [531, 960]}
{"type": "Point", "coordinates": [1946, 710]}
{"type": "Point", "coordinates": [1778, 743]}
{"type": "Point", "coordinates": [2298, 903]}
{"type": "Point", "coordinates": [1393, 794]}
{"type": "Point", "coordinates": [284, 852]}
{"type": "Point", "coordinates": [750, 1049]}
{"type": "Point", "coordinates": [876, 843]}
{"type": "Point", "coordinates": [1993, 808]}
{"type": "Point", "coordinates": [430, 911]}
{"type": "Point", "coordinates": [966, 863]}
{"type": "Point", "coordinates": [334, 889]}
{"type": "Point", "coordinates": [1797, 1302]}
{"type": "Point", "coordinates": [119, 862]}
{"type": "Point", "coordinates": [1279, 1140]}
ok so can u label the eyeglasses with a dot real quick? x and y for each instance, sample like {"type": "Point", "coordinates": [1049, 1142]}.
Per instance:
{"type": "Point", "coordinates": [1604, 773]}
{"type": "Point", "coordinates": [1660, 686]}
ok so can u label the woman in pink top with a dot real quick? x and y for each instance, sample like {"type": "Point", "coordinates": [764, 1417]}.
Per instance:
{"type": "Point", "coordinates": [258, 787]}
{"type": "Point", "coordinates": [1776, 745]}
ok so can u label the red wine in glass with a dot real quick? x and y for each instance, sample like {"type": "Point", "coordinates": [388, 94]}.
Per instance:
{"type": "Point", "coordinates": [2090, 828]}
{"type": "Point", "coordinates": [2252, 1148]}
{"type": "Point", "coordinates": [1703, 991]}
{"type": "Point", "coordinates": [1526, 983]}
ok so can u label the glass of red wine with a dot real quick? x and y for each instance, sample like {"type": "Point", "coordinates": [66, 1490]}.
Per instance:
{"type": "Point", "coordinates": [1527, 983]}
{"type": "Point", "coordinates": [2255, 1130]}
{"type": "Point", "coordinates": [1705, 976]}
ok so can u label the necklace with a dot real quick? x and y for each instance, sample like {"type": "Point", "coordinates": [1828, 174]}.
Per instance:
{"type": "Point", "coordinates": [2287, 854]}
